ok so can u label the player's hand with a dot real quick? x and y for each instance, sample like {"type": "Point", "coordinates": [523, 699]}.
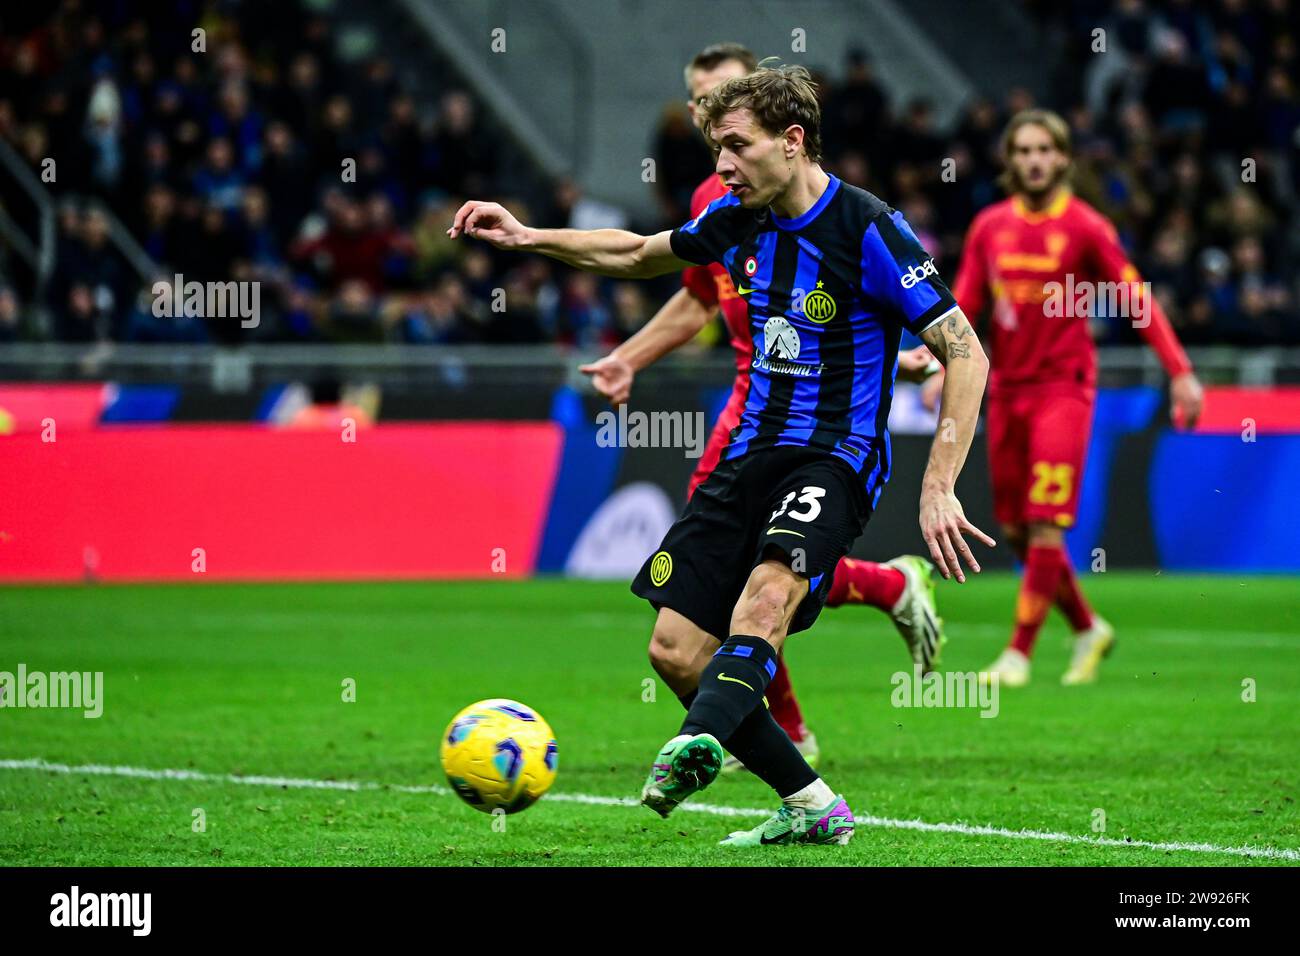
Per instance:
{"type": "Point", "coordinates": [932, 392]}
{"type": "Point", "coordinates": [913, 364]}
{"type": "Point", "coordinates": [490, 222]}
{"type": "Point", "coordinates": [612, 377]}
{"type": "Point", "coordinates": [943, 524]}
{"type": "Point", "coordinates": [1186, 398]}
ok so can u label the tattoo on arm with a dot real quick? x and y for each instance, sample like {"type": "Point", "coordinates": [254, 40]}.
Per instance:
{"type": "Point", "coordinates": [945, 338]}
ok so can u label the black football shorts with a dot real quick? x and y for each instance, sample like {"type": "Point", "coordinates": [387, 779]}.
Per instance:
{"type": "Point", "coordinates": [801, 505]}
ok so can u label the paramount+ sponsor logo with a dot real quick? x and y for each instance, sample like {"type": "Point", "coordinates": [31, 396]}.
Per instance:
{"type": "Point", "coordinates": [919, 273]}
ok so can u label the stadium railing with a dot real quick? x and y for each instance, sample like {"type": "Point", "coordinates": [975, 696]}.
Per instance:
{"type": "Point", "coordinates": [398, 364]}
{"type": "Point", "coordinates": [36, 250]}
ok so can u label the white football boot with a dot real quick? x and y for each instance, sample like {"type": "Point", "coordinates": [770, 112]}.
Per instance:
{"type": "Point", "coordinates": [1011, 668]}
{"type": "Point", "coordinates": [1090, 647]}
{"type": "Point", "coordinates": [915, 615]}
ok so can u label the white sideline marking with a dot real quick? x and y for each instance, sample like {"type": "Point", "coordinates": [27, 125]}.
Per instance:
{"type": "Point", "coordinates": [964, 829]}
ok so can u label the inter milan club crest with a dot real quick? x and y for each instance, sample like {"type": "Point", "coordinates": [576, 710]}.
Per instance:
{"type": "Point", "coordinates": [819, 306]}
{"type": "Point", "coordinates": [780, 339]}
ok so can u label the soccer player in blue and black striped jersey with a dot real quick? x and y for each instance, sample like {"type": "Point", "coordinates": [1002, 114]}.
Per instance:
{"type": "Point", "coordinates": [832, 276]}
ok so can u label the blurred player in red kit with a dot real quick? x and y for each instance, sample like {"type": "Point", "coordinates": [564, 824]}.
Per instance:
{"type": "Point", "coordinates": [903, 588]}
{"type": "Point", "coordinates": [1042, 260]}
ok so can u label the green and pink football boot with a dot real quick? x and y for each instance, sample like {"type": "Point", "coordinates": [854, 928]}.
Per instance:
{"type": "Point", "coordinates": [687, 764]}
{"type": "Point", "coordinates": [830, 825]}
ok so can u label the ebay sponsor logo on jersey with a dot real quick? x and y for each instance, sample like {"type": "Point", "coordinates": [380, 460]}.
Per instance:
{"type": "Point", "coordinates": [917, 274]}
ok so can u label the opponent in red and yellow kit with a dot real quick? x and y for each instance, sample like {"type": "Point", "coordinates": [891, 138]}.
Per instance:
{"type": "Point", "coordinates": [1039, 272]}
{"type": "Point", "coordinates": [712, 286]}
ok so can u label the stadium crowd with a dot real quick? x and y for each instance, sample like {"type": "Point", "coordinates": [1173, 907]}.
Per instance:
{"type": "Point", "coordinates": [229, 163]}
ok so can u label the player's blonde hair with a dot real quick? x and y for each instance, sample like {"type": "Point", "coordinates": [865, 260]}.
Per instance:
{"type": "Point", "coordinates": [1057, 128]}
{"type": "Point", "coordinates": [779, 96]}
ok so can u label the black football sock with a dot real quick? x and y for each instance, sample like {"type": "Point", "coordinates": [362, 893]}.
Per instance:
{"type": "Point", "coordinates": [731, 686]}
{"type": "Point", "coordinates": [768, 752]}
{"type": "Point", "coordinates": [688, 698]}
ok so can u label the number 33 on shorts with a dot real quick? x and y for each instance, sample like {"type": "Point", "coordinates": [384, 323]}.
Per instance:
{"type": "Point", "coordinates": [808, 498]}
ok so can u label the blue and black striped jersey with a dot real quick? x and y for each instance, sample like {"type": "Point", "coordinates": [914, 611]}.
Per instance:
{"type": "Point", "coordinates": [829, 294]}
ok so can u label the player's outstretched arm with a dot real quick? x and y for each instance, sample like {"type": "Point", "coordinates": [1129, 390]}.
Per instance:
{"type": "Point", "coordinates": [943, 522]}
{"type": "Point", "coordinates": [677, 322]}
{"type": "Point", "coordinates": [1186, 397]}
{"type": "Point", "coordinates": [610, 252]}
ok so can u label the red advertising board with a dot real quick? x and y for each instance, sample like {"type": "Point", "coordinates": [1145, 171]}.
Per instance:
{"type": "Point", "coordinates": [1233, 409]}
{"type": "Point", "coordinates": [31, 408]}
{"type": "Point", "coordinates": [402, 501]}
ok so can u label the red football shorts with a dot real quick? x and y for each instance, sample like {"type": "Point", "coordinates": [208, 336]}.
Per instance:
{"type": "Point", "coordinates": [720, 437]}
{"type": "Point", "coordinates": [1038, 439]}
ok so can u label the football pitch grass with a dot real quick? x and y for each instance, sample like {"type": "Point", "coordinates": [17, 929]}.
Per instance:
{"type": "Point", "coordinates": [223, 706]}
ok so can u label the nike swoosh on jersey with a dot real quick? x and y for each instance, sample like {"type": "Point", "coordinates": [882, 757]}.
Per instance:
{"type": "Point", "coordinates": [784, 531]}
{"type": "Point", "coordinates": [734, 680]}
